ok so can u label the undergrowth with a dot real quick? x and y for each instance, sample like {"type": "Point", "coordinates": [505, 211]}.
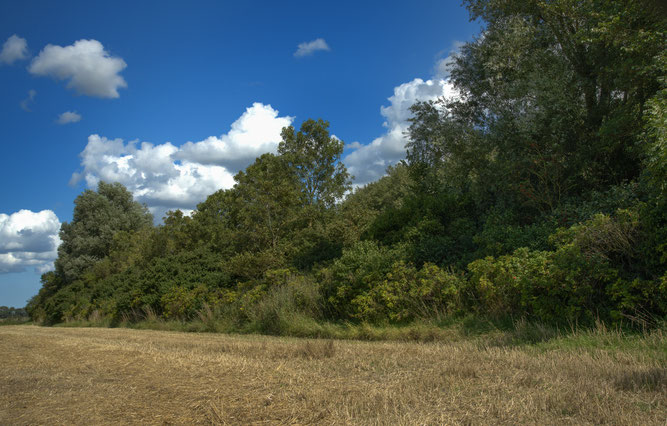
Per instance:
{"type": "Point", "coordinates": [485, 332]}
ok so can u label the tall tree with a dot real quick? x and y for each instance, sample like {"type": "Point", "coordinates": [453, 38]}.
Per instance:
{"type": "Point", "coordinates": [264, 203]}
{"type": "Point", "coordinates": [315, 158]}
{"type": "Point", "coordinates": [552, 97]}
{"type": "Point", "coordinates": [98, 215]}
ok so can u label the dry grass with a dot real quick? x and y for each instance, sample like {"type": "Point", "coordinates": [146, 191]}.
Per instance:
{"type": "Point", "coordinates": [97, 376]}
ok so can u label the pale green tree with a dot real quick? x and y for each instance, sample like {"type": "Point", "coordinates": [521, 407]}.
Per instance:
{"type": "Point", "coordinates": [98, 216]}
{"type": "Point", "coordinates": [315, 157]}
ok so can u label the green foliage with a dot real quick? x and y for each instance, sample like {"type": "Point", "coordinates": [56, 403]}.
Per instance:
{"type": "Point", "coordinates": [586, 277]}
{"type": "Point", "coordinates": [656, 135]}
{"type": "Point", "coordinates": [533, 283]}
{"type": "Point", "coordinates": [543, 182]}
{"type": "Point", "coordinates": [317, 244]}
{"type": "Point", "coordinates": [263, 203]}
{"type": "Point", "coordinates": [180, 303]}
{"type": "Point", "coordinates": [502, 233]}
{"type": "Point", "coordinates": [314, 156]}
{"type": "Point", "coordinates": [551, 102]}
{"type": "Point", "coordinates": [359, 269]}
{"type": "Point", "coordinates": [98, 215]}
{"type": "Point", "coordinates": [293, 299]}
{"type": "Point", "coordinates": [252, 266]}
{"type": "Point", "coordinates": [579, 209]}
{"type": "Point", "coordinates": [37, 306]}
{"type": "Point", "coordinates": [408, 293]}
{"type": "Point", "coordinates": [435, 228]}
{"type": "Point", "coordinates": [362, 207]}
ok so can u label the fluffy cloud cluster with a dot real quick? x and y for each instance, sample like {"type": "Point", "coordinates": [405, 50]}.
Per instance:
{"type": "Point", "coordinates": [90, 69]}
{"type": "Point", "coordinates": [68, 117]}
{"type": "Point", "coordinates": [310, 47]}
{"type": "Point", "coordinates": [14, 49]}
{"type": "Point", "coordinates": [168, 177]}
{"type": "Point", "coordinates": [28, 239]}
{"type": "Point", "coordinates": [369, 162]}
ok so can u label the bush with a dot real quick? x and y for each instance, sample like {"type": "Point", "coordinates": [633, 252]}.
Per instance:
{"type": "Point", "coordinates": [501, 234]}
{"type": "Point", "coordinates": [553, 287]}
{"type": "Point", "coordinates": [496, 285]}
{"type": "Point", "coordinates": [408, 293]}
{"type": "Point", "coordinates": [360, 268]}
{"type": "Point", "coordinates": [181, 303]}
{"type": "Point", "coordinates": [587, 277]}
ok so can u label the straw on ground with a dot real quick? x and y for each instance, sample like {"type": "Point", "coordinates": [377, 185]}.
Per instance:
{"type": "Point", "coordinates": [97, 376]}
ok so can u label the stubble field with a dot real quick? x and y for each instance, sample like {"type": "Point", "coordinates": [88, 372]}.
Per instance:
{"type": "Point", "coordinates": [99, 376]}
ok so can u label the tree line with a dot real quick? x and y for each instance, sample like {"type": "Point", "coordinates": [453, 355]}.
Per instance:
{"type": "Point", "coordinates": [538, 192]}
{"type": "Point", "coordinates": [12, 313]}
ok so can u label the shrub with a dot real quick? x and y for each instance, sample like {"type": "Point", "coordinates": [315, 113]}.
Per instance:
{"type": "Point", "coordinates": [495, 285]}
{"type": "Point", "coordinates": [182, 303]}
{"type": "Point", "coordinates": [501, 234]}
{"type": "Point", "coordinates": [408, 293]}
{"type": "Point", "coordinates": [360, 268]}
{"type": "Point", "coordinates": [554, 287]}
{"type": "Point", "coordinates": [587, 276]}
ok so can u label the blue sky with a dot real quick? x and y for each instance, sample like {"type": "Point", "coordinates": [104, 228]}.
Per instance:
{"type": "Point", "coordinates": [172, 98]}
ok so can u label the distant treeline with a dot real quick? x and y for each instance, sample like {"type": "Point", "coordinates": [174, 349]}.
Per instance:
{"type": "Point", "coordinates": [539, 192]}
{"type": "Point", "coordinates": [12, 313]}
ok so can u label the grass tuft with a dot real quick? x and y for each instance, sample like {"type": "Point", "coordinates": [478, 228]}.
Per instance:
{"type": "Point", "coordinates": [648, 379]}
{"type": "Point", "coordinates": [317, 349]}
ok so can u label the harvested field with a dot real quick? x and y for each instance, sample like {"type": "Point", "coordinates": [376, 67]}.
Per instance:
{"type": "Point", "coordinates": [97, 376]}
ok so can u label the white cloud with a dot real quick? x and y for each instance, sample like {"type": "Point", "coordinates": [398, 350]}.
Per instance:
{"type": "Point", "coordinates": [25, 104]}
{"type": "Point", "coordinates": [310, 47]}
{"type": "Point", "coordinates": [256, 132]}
{"type": "Point", "coordinates": [443, 66]}
{"type": "Point", "coordinates": [28, 239]}
{"type": "Point", "coordinates": [68, 117]}
{"type": "Point", "coordinates": [169, 177]}
{"type": "Point", "coordinates": [369, 162]}
{"type": "Point", "coordinates": [14, 49]}
{"type": "Point", "coordinates": [90, 69]}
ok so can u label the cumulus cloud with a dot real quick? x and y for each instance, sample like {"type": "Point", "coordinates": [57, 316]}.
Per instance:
{"type": "Point", "coordinates": [28, 239]}
{"type": "Point", "coordinates": [150, 172]}
{"type": "Point", "coordinates": [256, 132]}
{"type": "Point", "coordinates": [369, 162]}
{"type": "Point", "coordinates": [14, 49]}
{"type": "Point", "coordinates": [310, 47]}
{"type": "Point", "coordinates": [89, 69]}
{"type": "Point", "coordinates": [68, 117]}
{"type": "Point", "coordinates": [168, 177]}
{"type": "Point", "coordinates": [25, 104]}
